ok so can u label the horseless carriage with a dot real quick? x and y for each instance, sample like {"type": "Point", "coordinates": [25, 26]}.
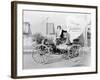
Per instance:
{"type": "Point", "coordinates": [42, 51]}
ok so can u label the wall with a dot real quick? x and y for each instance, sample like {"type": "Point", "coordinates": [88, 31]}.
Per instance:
{"type": "Point", "coordinates": [67, 21]}
{"type": "Point", "coordinates": [5, 41]}
{"type": "Point", "coordinates": [38, 20]}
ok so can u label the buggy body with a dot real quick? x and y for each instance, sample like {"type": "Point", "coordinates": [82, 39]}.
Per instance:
{"type": "Point", "coordinates": [43, 51]}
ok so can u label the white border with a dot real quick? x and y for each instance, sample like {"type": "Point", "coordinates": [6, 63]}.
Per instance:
{"type": "Point", "coordinates": [21, 72]}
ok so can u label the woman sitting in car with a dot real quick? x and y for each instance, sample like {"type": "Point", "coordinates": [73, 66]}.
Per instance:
{"type": "Point", "coordinates": [62, 36]}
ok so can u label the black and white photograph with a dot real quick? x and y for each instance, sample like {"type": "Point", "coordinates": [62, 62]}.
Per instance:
{"type": "Point", "coordinates": [56, 39]}
{"type": "Point", "coordinates": [53, 39]}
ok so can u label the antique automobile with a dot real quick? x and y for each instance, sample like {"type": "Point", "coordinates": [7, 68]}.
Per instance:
{"type": "Point", "coordinates": [47, 47]}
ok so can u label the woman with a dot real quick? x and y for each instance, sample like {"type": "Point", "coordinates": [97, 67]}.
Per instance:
{"type": "Point", "coordinates": [59, 31]}
{"type": "Point", "coordinates": [59, 35]}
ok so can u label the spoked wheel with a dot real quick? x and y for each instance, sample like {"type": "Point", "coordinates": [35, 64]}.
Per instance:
{"type": "Point", "coordinates": [74, 51]}
{"type": "Point", "coordinates": [41, 54]}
